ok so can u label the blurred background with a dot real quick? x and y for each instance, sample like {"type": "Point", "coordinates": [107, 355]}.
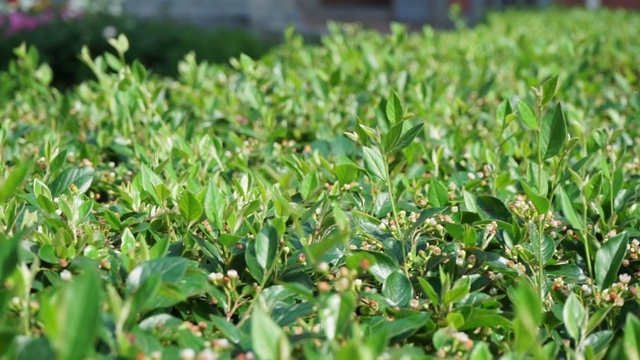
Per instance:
{"type": "Point", "coordinates": [163, 31]}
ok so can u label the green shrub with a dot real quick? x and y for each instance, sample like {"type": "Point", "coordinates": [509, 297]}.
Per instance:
{"type": "Point", "coordinates": [469, 194]}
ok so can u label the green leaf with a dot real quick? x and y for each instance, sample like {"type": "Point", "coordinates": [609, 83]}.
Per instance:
{"type": "Point", "coordinates": [149, 180]}
{"type": "Point", "coordinates": [598, 342]}
{"type": "Point", "coordinates": [455, 319]}
{"type": "Point", "coordinates": [397, 289]}
{"type": "Point", "coordinates": [394, 109]}
{"type": "Point", "coordinates": [40, 188]}
{"type": "Point", "coordinates": [112, 219]}
{"type": "Point", "coordinates": [390, 139]}
{"type": "Point", "coordinates": [459, 290]}
{"type": "Point", "coordinates": [128, 241]}
{"type": "Point", "coordinates": [528, 309]}
{"type": "Point", "coordinates": [557, 133]}
{"type": "Point", "coordinates": [227, 329]}
{"type": "Point", "coordinates": [574, 317]}
{"type": "Point", "coordinates": [190, 208]}
{"type": "Point", "coordinates": [438, 194]}
{"type": "Point", "coordinates": [470, 202]}
{"type": "Point", "coordinates": [409, 323]}
{"type": "Point", "coordinates": [548, 248]}
{"type": "Point", "coordinates": [214, 205]}
{"type": "Point", "coordinates": [609, 258]}
{"type": "Point", "coordinates": [593, 186]}
{"type": "Point", "coordinates": [13, 181]}
{"type": "Point", "coordinates": [341, 218]}
{"type": "Point", "coordinates": [309, 185]}
{"type": "Point", "coordinates": [145, 297]}
{"type": "Point", "coordinates": [549, 89]}
{"type": "Point", "coordinates": [375, 164]}
{"type": "Point", "coordinates": [429, 291]}
{"type": "Point", "coordinates": [383, 266]}
{"type": "Point", "coordinates": [9, 253]}
{"type": "Point", "coordinates": [9, 258]}
{"type": "Point", "coordinates": [631, 337]}
{"type": "Point", "coordinates": [541, 203]}
{"type": "Point", "coordinates": [494, 208]}
{"type": "Point", "coordinates": [568, 210]}
{"type": "Point", "coordinates": [266, 244]}
{"type": "Point", "coordinates": [336, 314]}
{"type": "Point", "coordinates": [268, 340]}
{"type": "Point", "coordinates": [46, 204]}
{"type": "Point", "coordinates": [346, 171]}
{"type": "Point", "coordinates": [251, 258]}
{"type": "Point", "coordinates": [479, 318]}
{"type": "Point", "coordinates": [503, 111]}
{"type": "Point", "coordinates": [171, 269]}
{"type": "Point", "coordinates": [27, 348]}
{"type": "Point", "coordinates": [527, 115]}
{"type": "Point", "coordinates": [481, 351]}
{"type": "Point", "coordinates": [363, 135]}
{"type": "Point", "coordinates": [470, 236]}
{"type": "Point", "coordinates": [47, 253]}
{"type": "Point", "coordinates": [407, 137]}
{"type": "Point", "coordinates": [81, 177]}
{"type": "Point", "coordinates": [71, 318]}
{"type": "Point", "coordinates": [596, 318]}
{"type": "Point", "coordinates": [319, 249]}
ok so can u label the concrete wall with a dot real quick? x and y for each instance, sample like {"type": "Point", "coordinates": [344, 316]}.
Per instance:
{"type": "Point", "coordinates": [199, 12]}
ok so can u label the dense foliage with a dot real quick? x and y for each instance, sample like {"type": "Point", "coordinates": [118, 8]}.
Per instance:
{"type": "Point", "coordinates": [465, 194]}
{"type": "Point", "coordinates": [159, 45]}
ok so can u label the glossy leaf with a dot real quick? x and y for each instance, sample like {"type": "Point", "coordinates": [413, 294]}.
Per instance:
{"type": "Point", "coordinates": [394, 109]}
{"type": "Point", "coordinates": [407, 138]}
{"type": "Point", "coordinates": [13, 181]}
{"type": "Point", "coordinates": [266, 244]}
{"type": "Point", "coordinates": [549, 89]}
{"type": "Point", "coordinates": [214, 205]}
{"type": "Point", "coordinates": [267, 338]}
{"type": "Point", "coordinates": [494, 208]}
{"type": "Point", "coordinates": [540, 202]}
{"type": "Point", "coordinates": [568, 210]}
{"type": "Point", "coordinates": [71, 319]}
{"type": "Point", "coordinates": [80, 177]}
{"type": "Point", "coordinates": [459, 290]}
{"type": "Point", "coordinates": [557, 136]}
{"type": "Point", "coordinates": [383, 265]}
{"type": "Point", "coordinates": [190, 207]}
{"type": "Point", "coordinates": [375, 164]}
{"type": "Point", "coordinates": [527, 115]}
{"type": "Point", "coordinates": [528, 309]}
{"type": "Point", "coordinates": [574, 317]}
{"type": "Point", "coordinates": [609, 259]}
{"type": "Point", "coordinates": [397, 289]}
{"type": "Point", "coordinates": [391, 139]}
{"type": "Point", "coordinates": [631, 337]}
{"type": "Point", "coordinates": [438, 193]}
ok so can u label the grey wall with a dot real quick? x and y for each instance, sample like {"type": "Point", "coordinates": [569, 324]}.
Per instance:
{"type": "Point", "coordinates": [199, 12]}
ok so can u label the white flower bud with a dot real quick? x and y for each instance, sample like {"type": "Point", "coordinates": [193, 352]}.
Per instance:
{"type": "Point", "coordinates": [232, 274]}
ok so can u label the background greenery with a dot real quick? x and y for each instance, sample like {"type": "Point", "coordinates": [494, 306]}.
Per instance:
{"type": "Point", "coordinates": [159, 44]}
{"type": "Point", "coordinates": [464, 194]}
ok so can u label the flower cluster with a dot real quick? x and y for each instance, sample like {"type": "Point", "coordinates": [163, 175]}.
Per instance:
{"type": "Point", "coordinates": [617, 291]}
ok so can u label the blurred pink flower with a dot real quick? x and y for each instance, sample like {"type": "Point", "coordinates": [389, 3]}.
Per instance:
{"type": "Point", "coordinates": [18, 21]}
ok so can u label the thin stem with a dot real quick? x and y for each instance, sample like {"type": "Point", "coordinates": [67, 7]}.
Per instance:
{"type": "Point", "coordinates": [540, 222]}
{"type": "Point", "coordinates": [498, 155]}
{"type": "Point", "coordinates": [396, 218]}
{"type": "Point", "coordinates": [585, 234]}
{"type": "Point", "coordinates": [540, 259]}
